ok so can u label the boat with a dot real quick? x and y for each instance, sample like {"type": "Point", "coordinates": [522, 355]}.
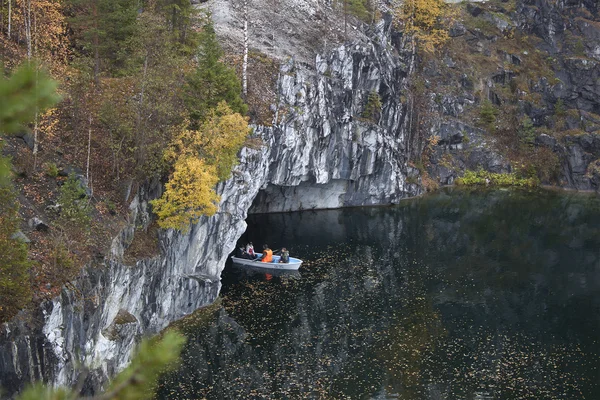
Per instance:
{"type": "Point", "coordinates": [275, 264]}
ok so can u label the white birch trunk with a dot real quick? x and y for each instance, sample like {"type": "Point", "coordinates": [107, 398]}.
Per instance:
{"type": "Point", "coordinates": [87, 167]}
{"type": "Point", "coordinates": [35, 140]}
{"type": "Point", "coordinates": [139, 138]}
{"type": "Point", "coordinates": [9, 17]}
{"type": "Point", "coordinates": [245, 62]}
{"type": "Point", "coordinates": [28, 29]}
{"type": "Point", "coordinates": [29, 55]}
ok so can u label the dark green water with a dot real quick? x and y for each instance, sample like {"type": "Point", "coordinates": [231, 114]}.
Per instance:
{"type": "Point", "coordinates": [458, 295]}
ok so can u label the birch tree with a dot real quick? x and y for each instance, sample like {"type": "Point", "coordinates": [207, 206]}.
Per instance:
{"type": "Point", "coordinates": [245, 62]}
{"type": "Point", "coordinates": [9, 18]}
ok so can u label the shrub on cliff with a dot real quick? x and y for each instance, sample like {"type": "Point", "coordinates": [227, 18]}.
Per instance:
{"type": "Point", "coordinates": [15, 290]}
{"type": "Point", "coordinates": [75, 207]}
{"type": "Point", "coordinates": [488, 115]}
{"type": "Point", "coordinates": [372, 110]}
{"type": "Point", "coordinates": [482, 177]}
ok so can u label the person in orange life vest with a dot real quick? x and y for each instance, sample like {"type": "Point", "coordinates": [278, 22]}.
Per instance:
{"type": "Point", "coordinates": [267, 255]}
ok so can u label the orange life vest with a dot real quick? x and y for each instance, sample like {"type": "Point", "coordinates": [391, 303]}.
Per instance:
{"type": "Point", "coordinates": [268, 255]}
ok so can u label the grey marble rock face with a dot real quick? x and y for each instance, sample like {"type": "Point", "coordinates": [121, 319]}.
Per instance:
{"type": "Point", "coordinates": [324, 151]}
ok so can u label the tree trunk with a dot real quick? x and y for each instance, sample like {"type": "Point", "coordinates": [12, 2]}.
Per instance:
{"type": "Point", "coordinates": [9, 17]}
{"type": "Point", "coordinates": [140, 139]}
{"type": "Point", "coordinates": [96, 45]}
{"type": "Point", "coordinates": [87, 167]}
{"type": "Point", "coordinates": [245, 63]}
{"type": "Point", "coordinates": [29, 55]}
{"type": "Point", "coordinates": [27, 19]}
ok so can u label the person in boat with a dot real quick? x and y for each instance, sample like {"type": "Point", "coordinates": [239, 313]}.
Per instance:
{"type": "Point", "coordinates": [267, 254]}
{"type": "Point", "coordinates": [285, 256]}
{"type": "Point", "coordinates": [241, 253]}
{"type": "Point", "coordinates": [250, 251]}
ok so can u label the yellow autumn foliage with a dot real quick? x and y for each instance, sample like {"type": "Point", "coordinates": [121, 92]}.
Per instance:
{"type": "Point", "coordinates": [202, 158]}
{"type": "Point", "coordinates": [189, 194]}
{"type": "Point", "coordinates": [218, 140]}
{"type": "Point", "coordinates": [423, 19]}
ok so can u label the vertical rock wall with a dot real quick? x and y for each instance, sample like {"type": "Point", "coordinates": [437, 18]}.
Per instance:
{"type": "Point", "coordinates": [326, 152]}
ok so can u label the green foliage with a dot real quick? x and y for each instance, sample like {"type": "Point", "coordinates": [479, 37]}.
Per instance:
{"type": "Point", "coordinates": [559, 108]}
{"type": "Point", "coordinates": [5, 166]}
{"type": "Point", "coordinates": [51, 170]}
{"type": "Point", "coordinates": [137, 382]}
{"type": "Point", "coordinates": [61, 258]}
{"type": "Point", "coordinates": [103, 30]}
{"type": "Point", "coordinates": [545, 164]}
{"type": "Point", "coordinates": [488, 114]}
{"type": "Point", "coordinates": [527, 132]}
{"type": "Point", "coordinates": [361, 9]}
{"type": "Point", "coordinates": [579, 48]}
{"type": "Point", "coordinates": [372, 109]}
{"type": "Point", "coordinates": [14, 267]}
{"type": "Point", "coordinates": [41, 392]}
{"type": "Point", "coordinates": [26, 92]}
{"type": "Point", "coordinates": [75, 208]}
{"type": "Point", "coordinates": [180, 16]}
{"type": "Point", "coordinates": [157, 355]}
{"type": "Point", "coordinates": [482, 177]}
{"type": "Point", "coordinates": [118, 24]}
{"type": "Point", "coordinates": [211, 82]}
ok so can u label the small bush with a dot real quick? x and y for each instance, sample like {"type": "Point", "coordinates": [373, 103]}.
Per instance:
{"type": "Point", "coordinates": [63, 262]}
{"type": "Point", "coordinates": [372, 109]}
{"type": "Point", "coordinates": [527, 132]}
{"type": "Point", "coordinates": [559, 108]}
{"type": "Point", "coordinates": [482, 177]}
{"type": "Point", "coordinates": [75, 207]}
{"type": "Point", "coordinates": [488, 114]}
{"type": "Point", "coordinates": [51, 170]}
{"type": "Point", "coordinates": [579, 48]}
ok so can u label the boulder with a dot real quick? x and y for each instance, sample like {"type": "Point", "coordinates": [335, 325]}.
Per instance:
{"type": "Point", "coordinates": [27, 138]}
{"type": "Point", "coordinates": [38, 224]}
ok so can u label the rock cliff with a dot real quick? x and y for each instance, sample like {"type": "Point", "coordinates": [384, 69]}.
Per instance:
{"type": "Point", "coordinates": [327, 147]}
{"type": "Point", "coordinates": [516, 89]}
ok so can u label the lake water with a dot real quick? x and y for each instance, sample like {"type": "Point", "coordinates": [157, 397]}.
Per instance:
{"type": "Point", "coordinates": [456, 295]}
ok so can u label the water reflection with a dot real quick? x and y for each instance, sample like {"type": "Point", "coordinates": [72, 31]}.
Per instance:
{"type": "Point", "coordinates": [453, 296]}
